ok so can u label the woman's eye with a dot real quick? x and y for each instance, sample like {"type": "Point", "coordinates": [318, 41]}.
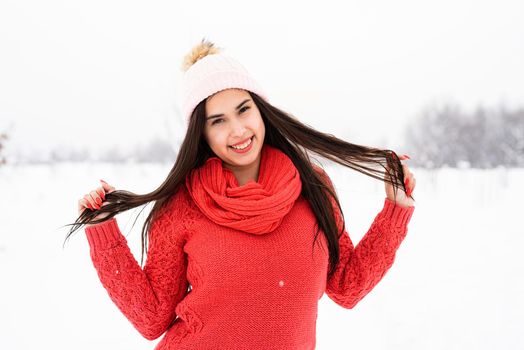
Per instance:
{"type": "Point", "coordinates": [219, 119]}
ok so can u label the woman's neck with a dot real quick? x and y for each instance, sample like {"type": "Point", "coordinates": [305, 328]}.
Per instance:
{"type": "Point", "coordinates": [246, 173]}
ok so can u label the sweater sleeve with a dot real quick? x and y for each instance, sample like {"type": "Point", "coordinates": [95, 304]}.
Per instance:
{"type": "Point", "coordinates": [362, 267]}
{"type": "Point", "coordinates": [147, 297]}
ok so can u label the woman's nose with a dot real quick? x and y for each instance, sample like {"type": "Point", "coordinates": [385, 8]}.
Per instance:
{"type": "Point", "coordinates": [238, 128]}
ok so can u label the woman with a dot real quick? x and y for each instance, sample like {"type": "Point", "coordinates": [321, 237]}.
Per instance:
{"type": "Point", "coordinates": [246, 220]}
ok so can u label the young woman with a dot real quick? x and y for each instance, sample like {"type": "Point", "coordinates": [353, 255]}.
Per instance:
{"type": "Point", "coordinates": [246, 232]}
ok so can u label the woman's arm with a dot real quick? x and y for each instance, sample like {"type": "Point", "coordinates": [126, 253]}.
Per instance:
{"type": "Point", "coordinates": [147, 297]}
{"type": "Point", "coordinates": [361, 268]}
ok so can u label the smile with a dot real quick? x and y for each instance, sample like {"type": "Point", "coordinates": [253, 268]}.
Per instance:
{"type": "Point", "coordinates": [243, 147]}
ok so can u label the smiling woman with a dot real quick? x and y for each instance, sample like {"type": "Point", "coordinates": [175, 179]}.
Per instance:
{"type": "Point", "coordinates": [238, 136]}
{"type": "Point", "coordinates": [246, 219]}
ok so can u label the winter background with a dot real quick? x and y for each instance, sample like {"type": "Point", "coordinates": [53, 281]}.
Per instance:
{"type": "Point", "coordinates": [89, 91]}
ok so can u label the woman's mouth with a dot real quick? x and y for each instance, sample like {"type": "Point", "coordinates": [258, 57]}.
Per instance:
{"type": "Point", "coordinates": [245, 147]}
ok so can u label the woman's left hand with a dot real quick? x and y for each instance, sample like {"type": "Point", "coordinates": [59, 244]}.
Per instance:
{"type": "Point", "coordinates": [403, 198]}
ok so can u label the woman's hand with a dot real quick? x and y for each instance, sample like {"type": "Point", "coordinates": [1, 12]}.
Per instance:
{"type": "Point", "coordinates": [94, 200]}
{"type": "Point", "coordinates": [403, 198]}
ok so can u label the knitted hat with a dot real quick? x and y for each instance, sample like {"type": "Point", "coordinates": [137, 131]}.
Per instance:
{"type": "Point", "coordinates": [208, 71]}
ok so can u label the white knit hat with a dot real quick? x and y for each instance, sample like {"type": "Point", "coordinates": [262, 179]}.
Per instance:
{"type": "Point", "coordinates": [208, 71]}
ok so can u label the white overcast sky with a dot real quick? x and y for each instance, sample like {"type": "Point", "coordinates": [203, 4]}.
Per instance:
{"type": "Point", "coordinates": [99, 73]}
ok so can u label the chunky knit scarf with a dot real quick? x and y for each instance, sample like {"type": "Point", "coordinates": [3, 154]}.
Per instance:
{"type": "Point", "coordinates": [255, 207]}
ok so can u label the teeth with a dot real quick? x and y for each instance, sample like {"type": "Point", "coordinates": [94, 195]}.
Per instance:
{"type": "Point", "coordinates": [242, 146]}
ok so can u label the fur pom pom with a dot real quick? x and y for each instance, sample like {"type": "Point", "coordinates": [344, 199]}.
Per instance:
{"type": "Point", "coordinates": [204, 48]}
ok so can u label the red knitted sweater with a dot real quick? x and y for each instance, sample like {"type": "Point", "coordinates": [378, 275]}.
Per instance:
{"type": "Point", "coordinates": [248, 291]}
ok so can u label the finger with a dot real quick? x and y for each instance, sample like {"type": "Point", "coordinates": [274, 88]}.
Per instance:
{"type": "Point", "coordinates": [91, 201]}
{"type": "Point", "coordinates": [411, 186]}
{"type": "Point", "coordinates": [81, 205]}
{"type": "Point", "coordinates": [101, 192]}
{"type": "Point", "coordinates": [85, 203]}
{"type": "Point", "coordinates": [96, 197]}
{"type": "Point", "coordinates": [107, 187]}
{"type": "Point", "coordinates": [406, 171]}
{"type": "Point", "coordinates": [97, 200]}
{"type": "Point", "coordinates": [408, 178]}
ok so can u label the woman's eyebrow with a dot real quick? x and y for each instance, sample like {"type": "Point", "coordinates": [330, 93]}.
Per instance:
{"type": "Point", "coordinates": [221, 115]}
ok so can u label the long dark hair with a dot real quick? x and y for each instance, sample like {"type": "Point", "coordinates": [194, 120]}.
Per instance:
{"type": "Point", "coordinates": [296, 140]}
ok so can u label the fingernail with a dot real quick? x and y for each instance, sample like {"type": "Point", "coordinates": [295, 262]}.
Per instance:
{"type": "Point", "coordinates": [99, 201]}
{"type": "Point", "coordinates": [406, 182]}
{"type": "Point", "coordinates": [103, 181]}
{"type": "Point", "coordinates": [405, 155]}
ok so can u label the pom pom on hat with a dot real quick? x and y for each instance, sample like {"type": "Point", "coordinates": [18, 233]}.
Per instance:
{"type": "Point", "coordinates": [205, 48]}
{"type": "Point", "coordinates": [207, 71]}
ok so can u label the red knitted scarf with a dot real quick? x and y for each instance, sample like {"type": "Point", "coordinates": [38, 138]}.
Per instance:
{"type": "Point", "coordinates": [255, 207]}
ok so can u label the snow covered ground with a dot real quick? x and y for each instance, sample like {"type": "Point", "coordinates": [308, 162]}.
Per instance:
{"type": "Point", "coordinates": [457, 281]}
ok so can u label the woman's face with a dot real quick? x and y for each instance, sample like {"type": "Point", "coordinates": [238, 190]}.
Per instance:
{"type": "Point", "coordinates": [233, 118]}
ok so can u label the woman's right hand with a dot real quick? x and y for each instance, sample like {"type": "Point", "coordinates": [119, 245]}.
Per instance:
{"type": "Point", "coordinates": [94, 200]}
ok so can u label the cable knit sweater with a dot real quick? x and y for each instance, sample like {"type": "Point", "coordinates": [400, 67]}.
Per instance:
{"type": "Point", "coordinates": [247, 291]}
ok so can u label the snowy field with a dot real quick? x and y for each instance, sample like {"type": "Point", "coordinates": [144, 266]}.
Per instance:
{"type": "Point", "coordinates": [457, 281]}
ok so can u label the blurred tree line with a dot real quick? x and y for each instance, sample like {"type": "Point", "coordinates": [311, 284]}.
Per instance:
{"type": "Point", "coordinates": [445, 135]}
{"type": "Point", "coordinates": [441, 135]}
{"type": "Point", "coordinates": [3, 138]}
{"type": "Point", "coordinates": [155, 150]}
